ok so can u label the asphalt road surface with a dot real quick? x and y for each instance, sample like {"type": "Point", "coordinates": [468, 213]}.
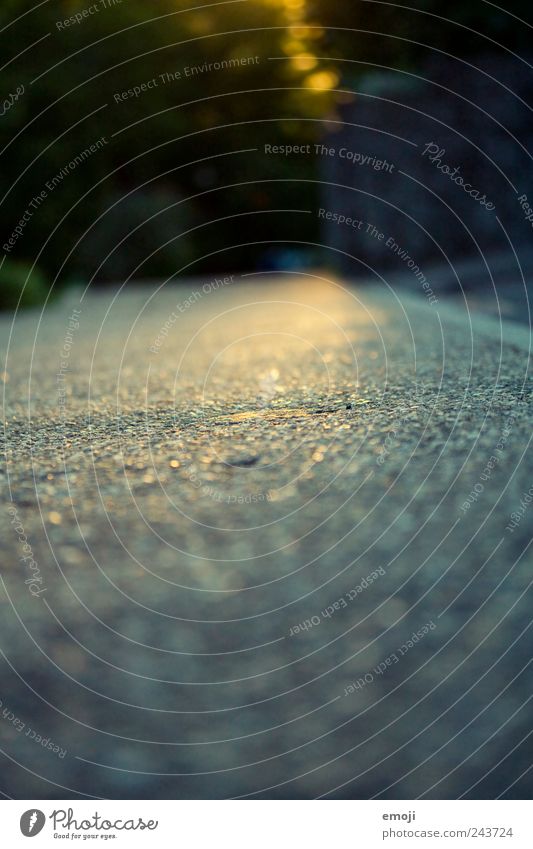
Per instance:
{"type": "Point", "coordinates": [265, 538]}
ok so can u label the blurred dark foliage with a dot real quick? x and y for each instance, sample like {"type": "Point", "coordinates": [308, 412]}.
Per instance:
{"type": "Point", "coordinates": [173, 154]}
{"type": "Point", "coordinates": [407, 34]}
{"type": "Point", "coordinates": [21, 285]}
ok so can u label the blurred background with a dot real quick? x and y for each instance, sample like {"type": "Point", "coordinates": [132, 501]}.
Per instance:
{"type": "Point", "coordinates": [184, 101]}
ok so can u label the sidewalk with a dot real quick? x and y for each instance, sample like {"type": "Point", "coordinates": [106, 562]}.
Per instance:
{"type": "Point", "coordinates": [283, 553]}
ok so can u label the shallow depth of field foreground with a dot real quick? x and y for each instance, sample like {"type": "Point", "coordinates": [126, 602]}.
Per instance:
{"type": "Point", "coordinates": [275, 547]}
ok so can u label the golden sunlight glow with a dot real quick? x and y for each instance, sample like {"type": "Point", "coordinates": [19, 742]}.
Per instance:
{"type": "Point", "coordinates": [304, 62]}
{"type": "Point", "coordinates": [300, 31]}
{"type": "Point", "coordinates": [322, 80]}
{"type": "Point", "coordinates": [295, 10]}
{"type": "Point", "coordinates": [200, 24]}
{"type": "Point", "coordinates": [299, 48]}
{"type": "Point", "coordinates": [290, 6]}
{"type": "Point", "coordinates": [293, 46]}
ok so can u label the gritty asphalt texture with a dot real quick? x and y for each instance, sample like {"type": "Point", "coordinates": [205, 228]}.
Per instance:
{"type": "Point", "coordinates": [291, 450]}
